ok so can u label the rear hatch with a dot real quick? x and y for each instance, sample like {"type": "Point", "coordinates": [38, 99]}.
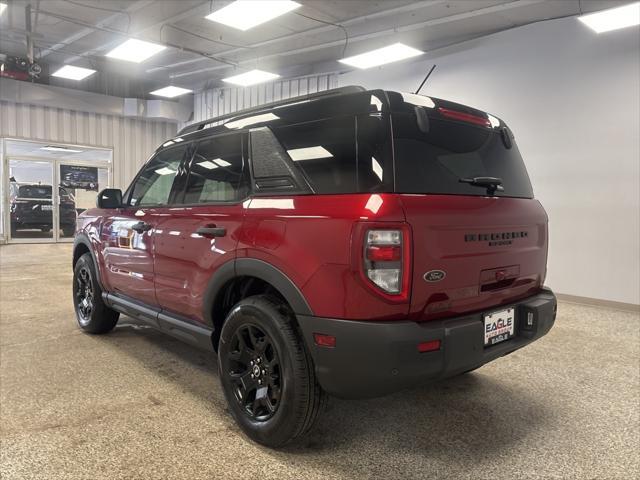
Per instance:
{"type": "Point", "coordinates": [479, 237]}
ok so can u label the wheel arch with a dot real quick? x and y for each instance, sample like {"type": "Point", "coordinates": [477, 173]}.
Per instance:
{"type": "Point", "coordinates": [221, 293]}
{"type": "Point", "coordinates": [82, 245]}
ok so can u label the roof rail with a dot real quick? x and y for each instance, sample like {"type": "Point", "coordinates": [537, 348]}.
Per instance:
{"type": "Point", "coordinates": [194, 127]}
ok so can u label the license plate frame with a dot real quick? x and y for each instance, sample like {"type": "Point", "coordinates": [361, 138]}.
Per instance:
{"type": "Point", "coordinates": [499, 326]}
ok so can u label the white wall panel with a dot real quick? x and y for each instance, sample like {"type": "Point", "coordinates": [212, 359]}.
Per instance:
{"type": "Point", "coordinates": [219, 101]}
{"type": "Point", "coordinates": [132, 140]}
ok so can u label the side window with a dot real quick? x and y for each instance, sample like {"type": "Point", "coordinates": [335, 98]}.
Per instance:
{"type": "Point", "coordinates": [325, 151]}
{"type": "Point", "coordinates": [153, 186]}
{"type": "Point", "coordinates": [216, 173]}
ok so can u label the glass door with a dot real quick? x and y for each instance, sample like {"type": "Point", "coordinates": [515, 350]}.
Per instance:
{"type": "Point", "coordinates": [31, 199]}
{"type": "Point", "coordinates": [78, 186]}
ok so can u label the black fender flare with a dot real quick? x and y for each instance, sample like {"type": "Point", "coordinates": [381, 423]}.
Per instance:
{"type": "Point", "coordinates": [252, 267]}
{"type": "Point", "coordinates": [82, 238]}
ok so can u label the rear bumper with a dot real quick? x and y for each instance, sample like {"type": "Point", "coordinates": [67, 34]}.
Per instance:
{"type": "Point", "coordinates": [375, 358]}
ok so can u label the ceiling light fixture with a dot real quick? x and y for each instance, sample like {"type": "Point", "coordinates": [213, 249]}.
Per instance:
{"type": "Point", "coordinates": [246, 14]}
{"type": "Point", "coordinates": [3, 6]}
{"type": "Point", "coordinates": [134, 50]}
{"type": "Point", "coordinates": [73, 73]}
{"type": "Point", "coordinates": [613, 19]}
{"type": "Point", "coordinates": [170, 92]}
{"type": "Point", "coordinates": [380, 56]}
{"type": "Point", "coordinates": [54, 148]}
{"type": "Point", "coordinates": [251, 78]}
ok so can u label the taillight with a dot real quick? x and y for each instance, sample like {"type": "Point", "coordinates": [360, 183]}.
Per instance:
{"type": "Point", "coordinates": [386, 260]}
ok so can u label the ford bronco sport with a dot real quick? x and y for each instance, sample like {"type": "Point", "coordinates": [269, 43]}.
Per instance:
{"type": "Point", "coordinates": [350, 242]}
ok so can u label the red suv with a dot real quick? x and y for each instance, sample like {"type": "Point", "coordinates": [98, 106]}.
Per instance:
{"type": "Point", "coordinates": [350, 242]}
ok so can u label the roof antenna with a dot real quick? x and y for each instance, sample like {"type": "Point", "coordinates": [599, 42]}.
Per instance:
{"type": "Point", "coordinates": [426, 78]}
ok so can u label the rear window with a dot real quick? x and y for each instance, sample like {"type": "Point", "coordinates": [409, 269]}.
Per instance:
{"type": "Point", "coordinates": [434, 161]}
{"type": "Point", "coordinates": [34, 191]}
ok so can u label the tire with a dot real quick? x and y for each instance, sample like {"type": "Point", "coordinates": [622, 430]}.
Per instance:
{"type": "Point", "coordinates": [92, 314]}
{"type": "Point", "coordinates": [68, 232]}
{"type": "Point", "coordinates": [262, 330]}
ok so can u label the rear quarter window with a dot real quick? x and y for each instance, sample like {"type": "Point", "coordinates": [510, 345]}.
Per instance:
{"type": "Point", "coordinates": [349, 154]}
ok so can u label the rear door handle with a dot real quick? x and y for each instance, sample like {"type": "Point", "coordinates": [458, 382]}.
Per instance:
{"type": "Point", "coordinates": [141, 227]}
{"type": "Point", "coordinates": [212, 231]}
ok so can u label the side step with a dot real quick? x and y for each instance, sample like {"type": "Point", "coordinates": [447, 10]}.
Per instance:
{"type": "Point", "coordinates": [176, 326]}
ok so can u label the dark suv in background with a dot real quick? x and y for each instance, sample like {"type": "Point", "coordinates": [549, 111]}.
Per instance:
{"type": "Point", "coordinates": [350, 242]}
{"type": "Point", "coordinates": [31, 207]}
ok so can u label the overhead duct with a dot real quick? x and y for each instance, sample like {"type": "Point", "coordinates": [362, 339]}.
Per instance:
{"type": "Point", "coordinates": [82, 101]}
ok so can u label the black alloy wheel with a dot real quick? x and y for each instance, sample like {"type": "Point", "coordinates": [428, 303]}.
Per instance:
{"type": "Point", "coordinates": [84, 296]}
{"type": "Point", "coordinates": [267, 373]}
{"type": "Point", "coordinates": [254, 369]}
{"type": "Point", "coordinates": [92, 314]}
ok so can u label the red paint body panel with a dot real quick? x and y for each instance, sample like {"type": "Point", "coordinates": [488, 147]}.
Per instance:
{"type": "Point", "coordinates": [316, 241]}
{"type": "Point", "coordinates": [185, 260]}
{"type": "Point", "coordinates": [309, 238]}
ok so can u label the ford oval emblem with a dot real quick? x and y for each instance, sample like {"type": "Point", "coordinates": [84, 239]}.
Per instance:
{"type": "Point", "coordinates": [434, 276]}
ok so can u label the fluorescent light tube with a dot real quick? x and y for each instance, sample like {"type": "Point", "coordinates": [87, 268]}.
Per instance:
{"type": "Point", "coordinates": [246, 14]}
{"type": "Point", "coordinates": [2, 7]}
{"type": "Point", "coordinates": [243, 122]}
{"type": "Point", "coordinates": [251, 78]}
{"type": "Point", "coordinates": [134, 50]}
{"type": "Point", "coordinates": [308, 153]}
{"type": "Point", "coordinates": [613, 19]}
{"type": "Point", "coordinates": [392, 53]}
{"type": "Point", "coordinates": [53, 148]}
{"type": "Point", "coordinates": [170, 92]}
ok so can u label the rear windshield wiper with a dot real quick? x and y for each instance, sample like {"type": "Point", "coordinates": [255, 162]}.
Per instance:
{"type": "Point", "coordinates": [492, 184]}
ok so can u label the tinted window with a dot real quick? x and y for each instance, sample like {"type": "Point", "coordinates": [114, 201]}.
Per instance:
{"type": "Point", "coordinates": [434, 161]}
{"type": "Point", "coordinates": [375, 161]}
{"type": "Point", "coordinates": [326, 152]}
{"type": "Point", "coordinates": [216, 173]}
{"type": "Point", "coordinates": [154, 184]}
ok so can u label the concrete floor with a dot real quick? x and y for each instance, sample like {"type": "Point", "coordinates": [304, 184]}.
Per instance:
{"type": "Point", "coordinates": [136, 404]}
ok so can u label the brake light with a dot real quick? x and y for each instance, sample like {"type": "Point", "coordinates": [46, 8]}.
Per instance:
{"type": "Point", "coordinates": [386, 260]}
{"type": "Point", "coordinates": [465, 117]}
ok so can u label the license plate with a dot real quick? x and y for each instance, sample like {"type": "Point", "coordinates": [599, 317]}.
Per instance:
{"type": "Point", "coordinates": [499, 326]}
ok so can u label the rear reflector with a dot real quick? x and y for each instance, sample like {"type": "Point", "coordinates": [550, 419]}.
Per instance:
{"type": "Point", "coordinates": [384, 253]}
{"type": "Point", "coordinates": [429, 346]}
{"type": "Point", "coordinates": [465, 117]}
{"type": "Point", "coordinates": [323, 340]}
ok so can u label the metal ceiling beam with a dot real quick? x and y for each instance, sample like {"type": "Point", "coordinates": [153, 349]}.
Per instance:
{"type": "Point", "coordinates": [134, 7]}
{"type": "Point", "coordinates": [391, 31]}
{"type": "Point", "coordinates": [312, 31]}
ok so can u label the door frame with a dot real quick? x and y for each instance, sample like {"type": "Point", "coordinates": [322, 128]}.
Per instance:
{"type": "Point", "coordinates": [55, 165]}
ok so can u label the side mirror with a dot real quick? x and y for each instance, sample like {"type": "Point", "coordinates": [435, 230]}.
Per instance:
{"type": "Point", "coordinates": [109, 198]}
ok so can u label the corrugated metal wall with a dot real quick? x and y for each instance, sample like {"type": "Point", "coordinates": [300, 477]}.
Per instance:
{"type": "Point", "coordinates": [218, 101]}
{"type": "Point", "coordinates": [132, 140]}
